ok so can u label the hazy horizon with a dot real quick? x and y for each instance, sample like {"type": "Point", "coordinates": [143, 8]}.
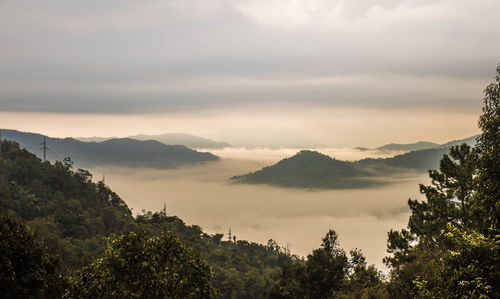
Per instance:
{"type": "Point", "coordinates": [327, 73]}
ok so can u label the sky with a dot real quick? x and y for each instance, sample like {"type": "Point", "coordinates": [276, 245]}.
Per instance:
{"type": "Point", "coordinates": [274, 72]}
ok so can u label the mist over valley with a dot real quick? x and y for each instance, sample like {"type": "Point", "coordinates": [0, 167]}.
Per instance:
{"type": "Point", "coordinates": [203, 194]}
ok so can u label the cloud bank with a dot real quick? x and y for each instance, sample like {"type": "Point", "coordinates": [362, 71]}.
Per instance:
{"type": "Point", "coordinates": [129, 57]}
{"type": "Point", "coordinates": [202, 195]}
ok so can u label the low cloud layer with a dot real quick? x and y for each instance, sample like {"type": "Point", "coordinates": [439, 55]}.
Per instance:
{"type": "Point", "coordinates": [164, 56]}
{"type": "Point", "coordinates": [202, 195]}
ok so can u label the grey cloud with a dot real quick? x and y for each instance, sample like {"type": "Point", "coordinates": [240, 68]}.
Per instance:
{"type": "Point", "coordinates": [79, 45]}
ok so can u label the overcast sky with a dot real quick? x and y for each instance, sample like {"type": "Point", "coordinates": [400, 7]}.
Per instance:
{"type": "Point", "coordinates": [199, 63]}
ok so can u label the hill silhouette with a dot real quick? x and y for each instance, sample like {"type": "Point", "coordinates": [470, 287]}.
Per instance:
{"type": "Point", "coordinates": [188, 140]}
{"type": "Point", "coordinates": [310, 169]}
{"type": "Point", "coordinates": [120, 151]}
{"type": "Point", "coordinates": [421, 145]}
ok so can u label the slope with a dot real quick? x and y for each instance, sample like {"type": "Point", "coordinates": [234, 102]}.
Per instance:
{"type": "Point", "coordinates": [310, 169]}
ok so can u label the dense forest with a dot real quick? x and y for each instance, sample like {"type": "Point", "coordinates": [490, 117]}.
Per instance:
{"type": "Point", "coordinates": [63, 235]}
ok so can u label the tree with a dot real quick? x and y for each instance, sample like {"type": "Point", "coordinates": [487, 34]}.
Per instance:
{"type": "Point", "coordinates": [471, 268]}
{"type": "Point", "coordinates": [326, 268]}
{"type": "Point", "coordinates": [322, 276]}
{"type": "Point", "coordinates": [486, 203]}
{"type": "Point", "coordinates": [28, 269]}
{"type": "Point", "coordinates": [415, 250]}
{"type": "Point", "coordinates": [363, 281]}
{"type": "Point", "coordinates": [136, 265]}
{"type": "Point", "coordinates": [451, 248]}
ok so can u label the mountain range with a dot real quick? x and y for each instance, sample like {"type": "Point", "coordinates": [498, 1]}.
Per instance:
{"type": "Point", "coordinates": [188, 140]}
{"type": "Point", "coordinates": [311, 169]}
{"type": "Point", "coordinates": [421, 145]}
{"type": "Point", "coordinates": [119, 151]}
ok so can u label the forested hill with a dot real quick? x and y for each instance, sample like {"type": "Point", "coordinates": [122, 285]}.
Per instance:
{"type": "Point", "coordinates": [309, 169]}
{"type": "Point", "coordinates": [75, 216]}
{"type": "Point", "coordinates": [121, 151]}
{"type": "Point", "coordinates": [66, 206]}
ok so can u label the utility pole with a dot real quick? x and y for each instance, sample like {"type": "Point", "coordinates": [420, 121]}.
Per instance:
{"type": "Point", "coordinates": [165, 209]}
{"type": "Point", "coordinates": [45, 148]}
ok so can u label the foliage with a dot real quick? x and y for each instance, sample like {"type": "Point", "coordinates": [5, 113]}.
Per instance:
{"type": "Point", "coordinates": [64, 205]}
{"type": "Point", "coordinates": [327, 273]}
{"type": "Point", "coordinates": [486, 203]}
{"type": "Point", "coordinates": [451, 247]}
{"type": "Point", "coordinates": [28, 267]}
{"type": "Point", "coordinates": [470, 269]}
{"type": "Point", "coordinates": [242, 269]}
{"type": "Point", "coordinates": [138, 266]}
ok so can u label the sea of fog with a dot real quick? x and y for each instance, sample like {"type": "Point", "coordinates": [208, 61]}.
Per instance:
{"type": "Point", "coordinates": [202, 194]}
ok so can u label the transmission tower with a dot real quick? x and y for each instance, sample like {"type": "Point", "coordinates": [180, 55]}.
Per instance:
{"type": "Point", "coordinates": [45, 148]}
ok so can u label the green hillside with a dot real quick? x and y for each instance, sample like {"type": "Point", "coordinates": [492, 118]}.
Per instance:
{"type": "Point", "coordinates": [76, 216]}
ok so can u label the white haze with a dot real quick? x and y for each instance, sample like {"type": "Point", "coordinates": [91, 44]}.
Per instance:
{"type": "Point", "coordinates": [274, 155]}
{"type": "Point", "coordinates": [202, 194]}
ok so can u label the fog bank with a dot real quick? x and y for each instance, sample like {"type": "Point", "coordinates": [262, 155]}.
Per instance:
{"type": "Point", "coordinates": [201, 194]}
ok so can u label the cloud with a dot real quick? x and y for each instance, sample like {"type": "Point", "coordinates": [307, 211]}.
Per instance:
{"type": "Point", "coordinates": [202, 195]}
{"type": "Point", "coordinates": [139, 57]}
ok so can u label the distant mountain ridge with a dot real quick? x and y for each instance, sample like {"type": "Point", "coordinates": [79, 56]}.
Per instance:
{"type": "Point", "coordinates": [187, 140]}
{"type": "Point", "coordinates": [309, 169]}
{"type": "Point", "coordinates": [421, 145]}
{"type": "Point", "coordinates": [184, 139]}
{"type": "Point", "coordinates": [120, 151]}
